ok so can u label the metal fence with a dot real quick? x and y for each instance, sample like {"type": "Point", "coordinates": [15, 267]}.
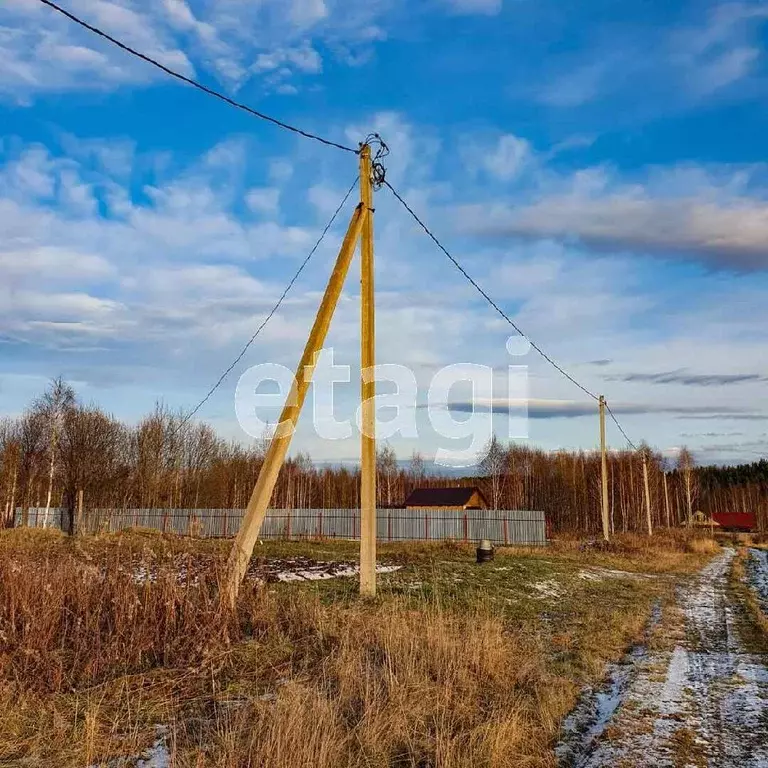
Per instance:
{"type": "Point", "coordinates": [516, 527]}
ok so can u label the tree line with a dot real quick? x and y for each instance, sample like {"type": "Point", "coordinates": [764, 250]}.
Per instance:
{"type": "Point", "coordinates": [60, 446]}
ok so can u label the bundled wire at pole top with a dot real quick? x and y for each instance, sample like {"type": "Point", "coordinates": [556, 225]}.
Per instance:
{"type": "Point", "coordinates": [194, 83]}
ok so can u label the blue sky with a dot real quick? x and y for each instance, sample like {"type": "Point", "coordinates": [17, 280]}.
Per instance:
{"type": "Point", "coordinates": [599, 167]}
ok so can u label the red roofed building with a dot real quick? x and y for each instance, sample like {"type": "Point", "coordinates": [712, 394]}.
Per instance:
{"type": "Point", "coordinates": [743, 522]}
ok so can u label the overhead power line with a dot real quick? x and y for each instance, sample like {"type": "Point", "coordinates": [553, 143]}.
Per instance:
{"type": "Point", "coordinates": [195, 83]}
{"type": "Point", "coordinates": [486, 296]}
{"type": "Point", "coordinates": [271, 312]}
{"type": "Point", "coordinates": [501, 312]}
{"type": "Point", "coordinates": [621, 429]}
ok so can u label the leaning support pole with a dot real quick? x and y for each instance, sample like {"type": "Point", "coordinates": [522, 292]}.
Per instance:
{"type": "Point", "coordinates": [367, 388]}
{"type": "Point", "coordinates": [604, 470]}
{"type": "Point", "coordinates": [278, 447]}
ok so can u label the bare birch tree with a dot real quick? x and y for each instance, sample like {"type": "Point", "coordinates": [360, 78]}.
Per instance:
{"type": "Point", "coordinates": [686, 465]}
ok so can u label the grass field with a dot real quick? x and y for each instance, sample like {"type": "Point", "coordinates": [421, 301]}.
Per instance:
{"type": "Point", "coordinates": [112, 644]}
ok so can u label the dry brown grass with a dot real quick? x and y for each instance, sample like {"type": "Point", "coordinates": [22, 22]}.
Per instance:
{"type": "Point", "coordinates": [664, 552]}
{"type": "Point", "coordinates": [91, 661]}
{"type": "Point", "coordinates": [394, 687]}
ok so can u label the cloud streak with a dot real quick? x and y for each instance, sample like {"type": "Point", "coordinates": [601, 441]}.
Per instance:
{"type": "Point", "coordinates": [569, 409]}
{"type": "Point", "coordinates": [729, 236]}
{"type": "Point", "coordinates": [689, 379]}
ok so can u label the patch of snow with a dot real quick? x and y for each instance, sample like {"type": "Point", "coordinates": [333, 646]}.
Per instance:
{"type": "Point", "coordinates": [600, 574]}
{"type": "Point", "coordinates": [548, 588]}
{"type": "Point", "coordinates": [757, 574]}
{"type": "Point", "coordinates": [157, 757]}
{"type": "Point", "coordinates": [322, 572]}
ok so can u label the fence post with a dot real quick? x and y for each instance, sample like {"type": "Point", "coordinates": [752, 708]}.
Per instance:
{"type": "Point", "coordinates": [389, 526]}
{"type": "Point", "coordinates": [189, 521]}
{"type": "Point", "coordinates": [354, 525]}
{"type": "Point", "coordinates": [226, 522]}
{"type": "Point", "coordinates": [466, 528]}
{"type": "Point", "coordinates": [288, 524]}
{"type": "Point", "coordinates": [506, 532]}
{"type": "Point", "coordinates": [320, 516]}
{"type": "Point", "coordinates": [426, 526]}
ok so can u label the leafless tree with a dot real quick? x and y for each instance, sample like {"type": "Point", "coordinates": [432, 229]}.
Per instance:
{"type": "Point", "coordinates": [686, 465]}
{"type": "Point", "coordinates": [386, 469]}
{"type": "Point", "coordinates": [494, 467]}
{"type": "Point", "coordinates": [52, 406]}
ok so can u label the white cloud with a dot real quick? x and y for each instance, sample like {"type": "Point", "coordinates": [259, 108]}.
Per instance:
{"type": "Point", "coordinates": [665, 67]}
{"type": "Point", "coordinates": [165, 287]}
{"type": "Point", "coordinates": [483, 7]}
{"type": "Point", "coordinates": [302, 58]}
{"type": "Point", "coordinates": [40, 264]}
{"type": "Point", "coordinates": [686, 210]}
{"type": "Point", "coordinates": [722, 51]}
{"type": "Point", "coordinates": [273, 40]}
{"type": "Point", "coordinates": [307, 12]}
{"type": "Point", "coordinates": [503, 159]}
{"type": "Point", "coordinates": [574, 88]}
{"type": "Point", "coordinates": [41, 51]}
{"type": "Point", "coordinates": [264, 200]}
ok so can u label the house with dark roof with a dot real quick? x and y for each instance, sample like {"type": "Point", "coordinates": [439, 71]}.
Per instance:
{"type": "Point", "coordinates": [466, 497]}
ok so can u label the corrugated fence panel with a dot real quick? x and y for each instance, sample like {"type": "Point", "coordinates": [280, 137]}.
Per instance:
{"type": "Point", "coordinates": [514, 527]}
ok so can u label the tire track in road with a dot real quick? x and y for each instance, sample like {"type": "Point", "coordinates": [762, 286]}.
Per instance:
{"type": "Point", "coordinates": [701, 700]}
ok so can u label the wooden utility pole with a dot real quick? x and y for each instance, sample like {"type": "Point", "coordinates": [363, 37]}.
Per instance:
{"type": "Point", "coordinates": [281, 440]}
{"type": "Point", "coordinates": [368, 386]}
{"type": "Point", "coordinates": [604, 470]}
{"type": "Point", "coordinates": [666, 502]}
{"type": "Point", "coordinates": [649, 520]}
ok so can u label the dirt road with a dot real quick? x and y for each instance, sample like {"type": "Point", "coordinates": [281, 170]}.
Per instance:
{"type": "Point", "coordinates": [696, 697]}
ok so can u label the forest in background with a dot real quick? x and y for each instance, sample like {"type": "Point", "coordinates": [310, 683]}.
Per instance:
{"type": "Point", "coordinates": [60, 446]}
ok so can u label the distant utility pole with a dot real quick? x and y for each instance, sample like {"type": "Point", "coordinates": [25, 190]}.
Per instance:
{"type": "Point", "coordinates": [367, 386]}
{"type": "Point", "coordinates": [647, 491]}
{"type": "Point", "coordinates": [604, 470]}
{"type": "Point", "coordinates": [242, 549]}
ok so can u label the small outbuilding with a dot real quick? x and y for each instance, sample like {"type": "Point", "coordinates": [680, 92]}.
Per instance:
{"type": "Point", "coordinates": [463, 497]}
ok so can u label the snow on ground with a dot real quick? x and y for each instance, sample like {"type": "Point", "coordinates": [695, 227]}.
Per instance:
{"type": "Point", "coordinates": [757, 574]}
{"type": "Point", "coordinates": [267, 570]}
{"type": "Point", "coordinates": [584, 726]}
{"type": "Point", "coordinates": [700, 700]}
{"type": "Point", "coordinates": [322, 570]}
{"type": "Point", "coordinates": [158, 755]}
{"type": "Point", "coordinates": [601, 574]}
{"type": "Point", "coordinates": [548, 588]}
